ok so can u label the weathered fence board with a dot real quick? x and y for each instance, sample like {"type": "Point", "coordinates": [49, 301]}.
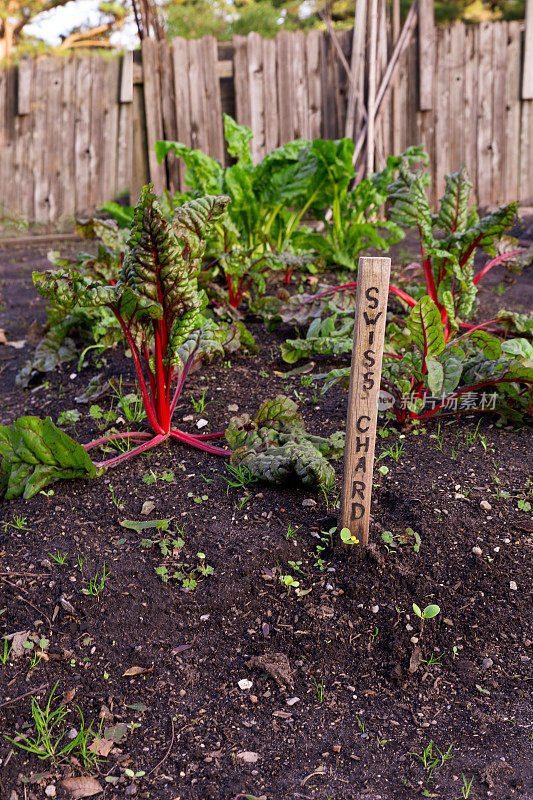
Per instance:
{"type": "Point", "coordinates": [65, 135]}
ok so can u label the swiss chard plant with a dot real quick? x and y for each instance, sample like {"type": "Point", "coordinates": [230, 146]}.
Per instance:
{"type": "Point", "coordinates": [271, 200]}
{"type": "Point", "coordinates": [157, 304]}
{"type": "Point", "coordinates": [433, 356]}
{"type": "Point", "coordinates": [68, 329]}
{"type": "Point", "coordinates": [350, 216]}
{"type": "Point", "coordinates": [449, 241]}
{"type": "Point", "coordinates": [274, 446]}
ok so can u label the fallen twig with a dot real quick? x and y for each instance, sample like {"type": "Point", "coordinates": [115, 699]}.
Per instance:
{"type": "Point", "coordinates": [168, 750]}
{"type": "Point", "coordinates": [21, 696]}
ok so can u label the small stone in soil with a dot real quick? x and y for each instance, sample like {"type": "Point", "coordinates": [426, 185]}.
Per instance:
{"type": "Point", "coordinates": [487, 663]}
{"type": "Point", "coordinates": [513, 586]}
{"type": "Point", "coordinates": [309, 502]}
{"type": "Point", "coordinates": [485, 505]}
{"type": "Point", "coordinates": [244, 684]}
{"type": "Point", "coordinates": [477, 551]}
{"type": "Point", "coordinates": [248, 756]}
{"type": "Point", "coordinates": [292, 701]}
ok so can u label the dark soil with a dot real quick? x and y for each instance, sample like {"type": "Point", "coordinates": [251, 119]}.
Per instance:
{"type": "Point", "coordinates": [367, 698]}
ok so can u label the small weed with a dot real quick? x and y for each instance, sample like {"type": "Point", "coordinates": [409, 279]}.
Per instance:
{"type": "Point", "coordinates": [36, 646]}
{"type": "Point", "coordinates": [97, 584]}
{"type": "Point", "coordinates": [487, 447]}
{"type": "Point", "coordinates": [394, 451]}
{"type": "Point", "coordinates": [291, 532]}
{"type": "Point", "coordinates": [81, 561]}
{"type": "Point", "coordinates": [116, 500]}
{"type": "Point", "coordinates": [131, 404]}
{"type": "Point", "coordinates": [70, 417]}
{"type": "Point", "coordinates": [319, 686]}
{"type": "Point", "coordinates": [296, 566]}
{"type": "Point", "coordinates": [373, 636]}
{"type": "Point", "coordinates": [59, 558]}
{"type": "Point", "coordinates": [347, 537]}
{"type": "Point", "coordinates": [391, 540]}
{"type": "Point", "coordinates": [326, 543]}
{"type": "Point", "coordinates": [152, 477]}
{"type": "Point", "coordinates": [466, 788]}
{"type": "Point", "coordinates": [524, 505]}
{"type": "Point", "coordinates": [289, 582]}
{"type": "Point", "coordinates": [471, 436]}
{"type": "Point", "coordinates": [439, 439]}
{"type": "Point", "coordinates": [5, 651]}
{"type": "Point", "coordinates": [240, 476]}
{"type": "Point", "coordinates": [49, 493]}
{"type": "Point", "coordinates": [173, 568]}
{"type": "Point", "coordinates": [19, 523]}
{"type": "Point", "coordinates": [201, 404]}
{"type": "Point", "coordinates": [50, 731]}
{"type": "Point", "coordinates": [433, 660]}
{"type": "Point", "coordinates": [428, 613]}
{"type": "Point", "coordinates": [199, 498]}
{"type": "Point", "coordinates": [129, 773]}
{"type": "Point", "coordinates": [241, 502]}
{"type": "Point", "coordinates": [432, 758]}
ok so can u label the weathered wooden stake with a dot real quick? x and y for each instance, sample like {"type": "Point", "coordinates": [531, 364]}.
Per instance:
{"type": "Point", "coordinates": [365, 376]}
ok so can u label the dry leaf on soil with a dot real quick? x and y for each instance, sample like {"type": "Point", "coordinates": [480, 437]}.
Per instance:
{"type": "Point", "coordinates": [81, 787]}
{"type": "Point", "coordinates": [101, 747]}
{"type": "Point", "coordinates": [137, 671]}
{"type": "Point", "coordinates": [19, 639]}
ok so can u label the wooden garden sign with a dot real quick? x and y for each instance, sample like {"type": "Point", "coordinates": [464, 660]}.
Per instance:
{"type": "Point", "coordinates": [363, 395]}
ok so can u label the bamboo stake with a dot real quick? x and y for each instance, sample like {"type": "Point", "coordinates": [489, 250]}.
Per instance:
{"type": "Point", "coordinates": [344, 62]}
{"type": "Point", "coordinates": [527, 77]}
{"type": "Point", "coordinates": [395, 98]}
{"type": "Point", "coordinates": [363, 394]}
{"type": "Point", "coordinates": [401, 45]}
{"type": "Point", "coordinates": [371, 102]}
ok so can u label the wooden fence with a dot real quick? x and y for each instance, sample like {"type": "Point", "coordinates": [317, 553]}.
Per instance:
{"type": "Point", "coordinates": [464, 98]}
{"type": "Point", "coordinates": [78, 131]}
{"type": "Point", "coordinates": [65, 135]}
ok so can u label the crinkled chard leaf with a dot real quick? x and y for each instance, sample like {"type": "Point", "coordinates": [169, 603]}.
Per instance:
{"type": "Point", "coordinates": [293, 460]}
{"type": "Point", "coordinates": [34, 453]}
{"type": "Point", "coordinates": [274, 446]}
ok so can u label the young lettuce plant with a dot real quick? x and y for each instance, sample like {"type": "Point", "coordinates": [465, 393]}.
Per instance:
{"type": "Point", "coordinates": [158, 307]}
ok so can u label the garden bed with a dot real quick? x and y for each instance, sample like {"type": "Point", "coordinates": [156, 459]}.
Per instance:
{"type": "Point", "coordinates": [363, 691]}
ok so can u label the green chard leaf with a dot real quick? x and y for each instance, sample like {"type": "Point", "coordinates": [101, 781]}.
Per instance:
{"type": "Point", "coordinates": [454, 210]}
{"type": "Point", "coordinates": [34, 453]}
{"type": "Point", "coordinates": [426, 327]}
